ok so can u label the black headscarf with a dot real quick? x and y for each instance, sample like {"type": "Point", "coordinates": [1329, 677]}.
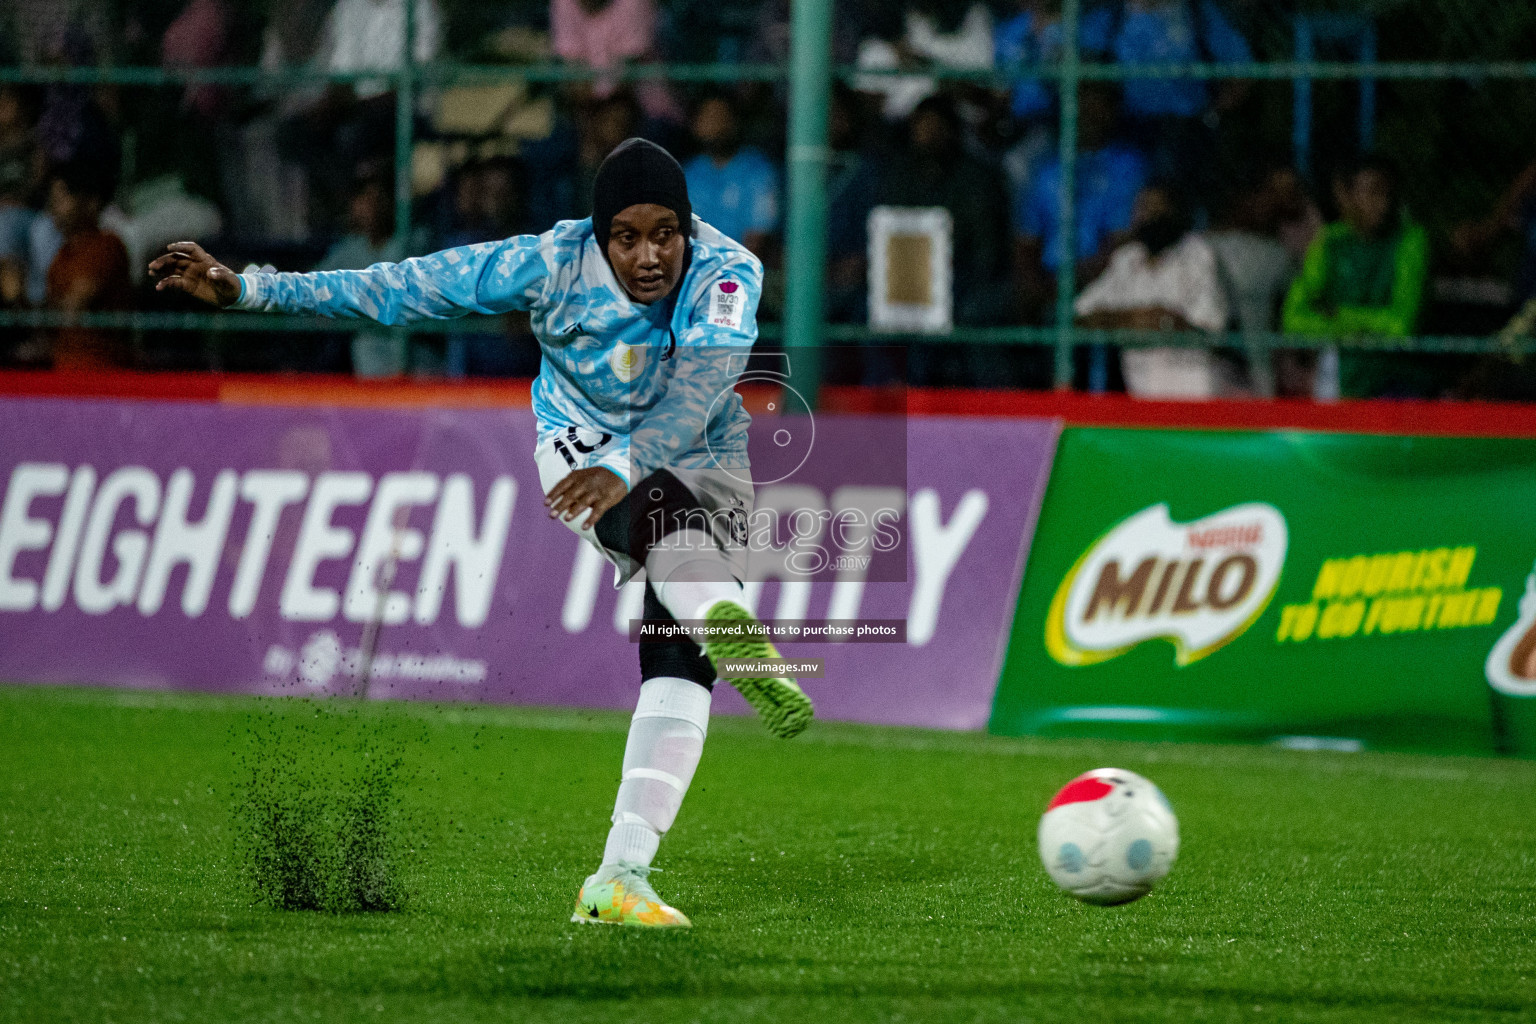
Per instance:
{"type": "Point", "coordinates": [638, 172]}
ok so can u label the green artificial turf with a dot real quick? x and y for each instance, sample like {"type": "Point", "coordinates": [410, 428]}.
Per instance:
{"type": "Point", "coordinates": [851, 874]}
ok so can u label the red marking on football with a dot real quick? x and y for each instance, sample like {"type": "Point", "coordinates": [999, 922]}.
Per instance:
{"type": "Point", "coordinates": [1081, 790]}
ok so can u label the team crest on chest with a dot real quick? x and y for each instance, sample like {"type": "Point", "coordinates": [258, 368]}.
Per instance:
{"type": "Point", "coordinates": [627, 361]}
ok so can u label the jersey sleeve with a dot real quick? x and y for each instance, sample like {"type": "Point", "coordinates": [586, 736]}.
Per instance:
{"type": "Point", "coordinates": [711, 354]}
{"type": "Point", "coordinates": [489, 278]}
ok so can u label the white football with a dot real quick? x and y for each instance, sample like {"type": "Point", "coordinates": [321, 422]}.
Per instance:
{"type": "Point", "coordinates": [1108, 836]}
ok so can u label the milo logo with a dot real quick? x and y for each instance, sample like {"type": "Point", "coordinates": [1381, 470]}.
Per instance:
{"type": "Point", "coordinates": [1198, 585]}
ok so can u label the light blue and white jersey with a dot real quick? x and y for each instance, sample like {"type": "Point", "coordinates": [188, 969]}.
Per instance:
{"type": "Point", "coordinates": [659, 378]}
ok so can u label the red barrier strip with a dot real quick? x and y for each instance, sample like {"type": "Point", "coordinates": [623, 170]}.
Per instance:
{"type": "Point", "coordinates": [1453, 419]}
{"type": "Point", "coordinates": [268, 389]}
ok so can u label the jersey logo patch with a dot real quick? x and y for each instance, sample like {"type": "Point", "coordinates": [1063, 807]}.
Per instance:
{"type": "Point", "coordinates": [727, 300]}
{"type": "Point", "coordinates": [627, 361]}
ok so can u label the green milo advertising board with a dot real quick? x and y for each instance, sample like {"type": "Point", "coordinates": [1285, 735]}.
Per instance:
{"type": "Point", "coordinates": [1328, 590]}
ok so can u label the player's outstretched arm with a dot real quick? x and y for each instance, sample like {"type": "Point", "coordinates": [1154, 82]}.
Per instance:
{"type": "Point", "coordinates": [489, 278]}
{"type": "Point", "coordinates": [186, 267]}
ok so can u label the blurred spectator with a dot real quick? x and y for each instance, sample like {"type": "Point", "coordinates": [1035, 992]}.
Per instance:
{"type": "Point", "coordinates": [853, 176]}
{"type": "Point", "coordinates": [1256, 265]}
{"type": "Point", "coordinates": [1256, 269]}
{"type": "Point", "coordinates": [602, 33]}
{"type": "Point", "coordinates": [1110, 173]}
{"type": "Point", "coordinates": [1034, 37]}
{"type": "Point", "coordinates": [734, 188]}
{"type": "Point", "coordinates": [196, 39]}
{"type": "Point", "coordinates": [605, 34]}
{"type": "Point", "coordinates": [90, 272]}
{"type": "Point", "coordinates": [563, 167]}
{"type": "Point", "coordinates": [152, 214]}
{"type": "Point", "coordinates": [352, 125]}
{"type": "Point", "coordinates": [72, 125]}
{"type": "Point", "coordinates": [71, 129]}
{"type": "Point", "coordinates": [1364, 277]}
{"type": "Point", "coordinates": [265, 183]}
{"type": "Point", "coordinates": [1512, 216]}
{"type": "Point", "coordinates": [934, 170]}
{"type": "Point", "coordinates": [20, 163]}
{"type": "Point", "coordinates": [295, 34]}
{"type": "Point", "coordinates": [770, 40]}
{"type": "Point", "coordinates": [177, 134]}
{"type": "Point", "coordinates": [1164, 279]}
{"type": "Point", "coordinates": [37, 30]}
{"type": "Point", "coordinates": [1473, 242]}
{"type": "Point", "coordinates": [43, 243]}
{"type": "Point", "coordinates": [1299, 217]}
{"type": "Point", "coordinates": [1175, 118]}
{"type": "Point", "coordinates": [371, 239]}
{"type": "Point", "coordinates": [1029, 37]}
{"type": "Point", "coordinates": [487, 204]}
{"type": "Point", "coordinates": [948, 34]}
{"type": "Point", "coordinates": [369, 35]}
{"type": "Point", "coordinates": [763, 104]}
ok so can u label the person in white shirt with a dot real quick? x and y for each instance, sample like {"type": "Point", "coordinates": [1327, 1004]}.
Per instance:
{"type": "Point", "coordinates": [948, 35]}
{"type": "Point", "coordinates": [1164, 279]}
{"type": "Point", "coordinates": [333, 135]}
{"type": "Point", "coordinates": [1256, 267]}
{"type": "Point", "coordinates": [369, 35]}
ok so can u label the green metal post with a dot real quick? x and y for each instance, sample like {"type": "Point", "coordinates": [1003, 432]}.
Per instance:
{"type": "Point", "coordinates": [810, 94]}
{"type": "Point", "coordinates": [405, 126]}
{"type": "Point", "coordinates": [1066, 237]}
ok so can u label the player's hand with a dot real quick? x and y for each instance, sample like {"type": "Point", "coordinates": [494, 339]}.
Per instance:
{"type": "Point", "coordinates": [597, 489]}
{"type": "Point", "coordinates": [187, 268]}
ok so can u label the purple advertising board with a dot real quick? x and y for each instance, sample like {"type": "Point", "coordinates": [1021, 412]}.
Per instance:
{"type": "Point", "coordinates": [263, 549]}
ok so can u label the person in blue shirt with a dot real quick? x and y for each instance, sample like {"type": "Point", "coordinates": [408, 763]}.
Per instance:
{"type": "Point", "coordinates": [1175, 32]}
{"type": "Point", "coordinates": [1129, 32]}
{"type": "Point", "coordinates": [1176, 119]}
{"type": "Point", "coordinates": [645, 315]}
{"type": "Point", "coordinates": [733, 187]}
{"type": "Point", "coordinates": [1033, 37]}
{"type": "Point", "coordinates": [1109, 175]}
{"type": "Point", "coordinates": [1172, 118]}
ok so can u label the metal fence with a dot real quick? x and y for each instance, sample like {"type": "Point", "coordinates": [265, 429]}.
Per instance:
{"type": "Point", "coordinates": [808, 76]}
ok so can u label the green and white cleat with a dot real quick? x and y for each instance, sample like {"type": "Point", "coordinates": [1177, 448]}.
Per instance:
{"type": "Point", "coordinates": [783, 706]}
{"type": "Point", "coordinates": [620, 894]}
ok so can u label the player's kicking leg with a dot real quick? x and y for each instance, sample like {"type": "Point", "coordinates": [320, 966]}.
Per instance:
{"type": "Point", "coordinates": [694, 578]}
{"type": "Point", "coordinates": [666, 738]}
{"type": "Point", "coordinates": [680, 533]}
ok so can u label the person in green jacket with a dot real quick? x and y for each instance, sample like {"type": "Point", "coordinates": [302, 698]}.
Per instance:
{"type": "Point", "coordinates": [1364, 277]}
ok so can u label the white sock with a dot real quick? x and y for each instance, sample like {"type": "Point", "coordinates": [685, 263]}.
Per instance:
{"type": "Point", "coordinates": [666, 737]}
{"type": "Point", "coordinates": [690, 574]}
